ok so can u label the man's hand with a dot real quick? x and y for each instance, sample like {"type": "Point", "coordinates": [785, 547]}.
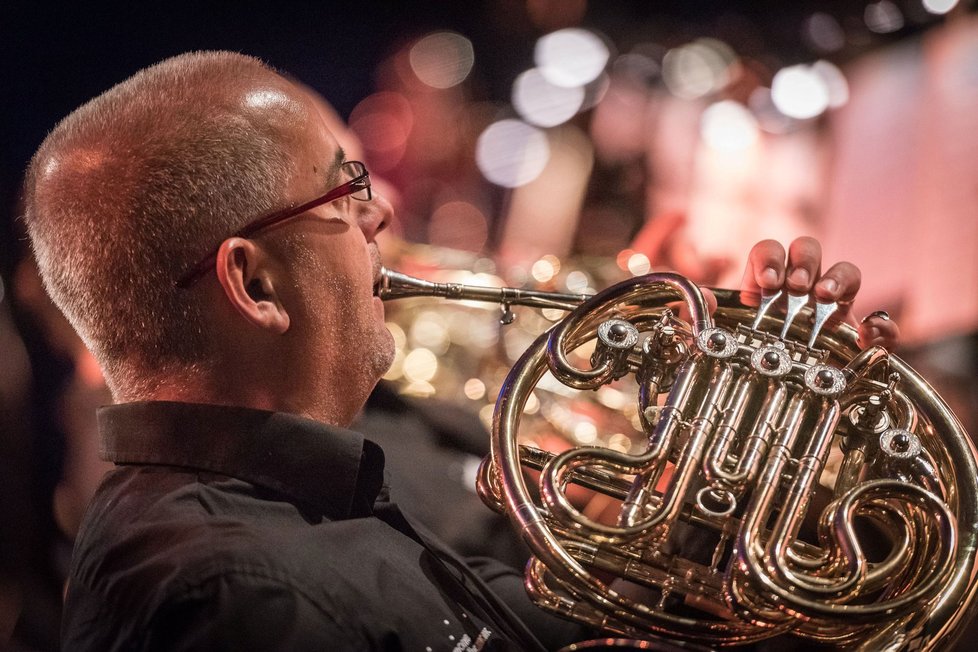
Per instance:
{"type": "Point", "coordinates": [767, 271]}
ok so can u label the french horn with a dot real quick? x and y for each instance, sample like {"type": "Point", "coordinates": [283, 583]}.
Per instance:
{"type": "Point", "coordinates": [729, 530]}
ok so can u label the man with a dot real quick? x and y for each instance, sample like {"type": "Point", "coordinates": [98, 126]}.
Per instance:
{"type": "Point", "coordinates": [202, 230]}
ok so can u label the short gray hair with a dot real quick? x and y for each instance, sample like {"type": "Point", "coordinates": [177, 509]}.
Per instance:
{"type": "Point", "coordinates": [132, 188]}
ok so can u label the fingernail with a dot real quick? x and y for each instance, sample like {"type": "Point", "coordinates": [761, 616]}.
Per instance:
{"type": "Point", "coordinates": [828, 285]}
{"type": "Point", "coordinates": [799, 276]}
{"type": "Point", "coordinates": [770, 276]}
{"type": "Point", "coordinates": [873, 333]}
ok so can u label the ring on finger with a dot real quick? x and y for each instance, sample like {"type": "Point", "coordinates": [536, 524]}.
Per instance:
{"type": "Point", "coordinates": [882, 314]}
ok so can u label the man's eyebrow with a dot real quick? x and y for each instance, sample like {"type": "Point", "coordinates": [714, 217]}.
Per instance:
{"type": "Point", "coordinates": [332, 173]}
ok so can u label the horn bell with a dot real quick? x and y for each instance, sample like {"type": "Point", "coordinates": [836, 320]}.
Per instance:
{"type": "Point", "coordinates": [788, 483]}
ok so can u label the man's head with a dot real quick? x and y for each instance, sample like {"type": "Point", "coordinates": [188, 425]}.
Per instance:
{"type": "Point", "coordinates": [131, 190]}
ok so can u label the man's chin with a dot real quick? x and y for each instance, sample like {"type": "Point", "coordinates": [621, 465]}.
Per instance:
{"type": "Point", "coordinates": [383, 353]}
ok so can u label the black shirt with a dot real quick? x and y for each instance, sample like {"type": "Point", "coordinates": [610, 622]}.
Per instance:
{"type": "Point", "coordinates": [449, 443]}
{"type": "Point", "coordinates": [236, 529]}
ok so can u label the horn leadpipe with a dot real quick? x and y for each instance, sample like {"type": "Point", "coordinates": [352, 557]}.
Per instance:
{"type": "Point", "coordinates": [395, 285]}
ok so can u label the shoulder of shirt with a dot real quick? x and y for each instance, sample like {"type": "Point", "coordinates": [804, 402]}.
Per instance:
{"type": "Point", "coordinates": [208, 609]}
{"type": "Point", "coordinates": [161, 553]}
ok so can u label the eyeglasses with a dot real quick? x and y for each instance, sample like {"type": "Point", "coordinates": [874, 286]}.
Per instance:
{"type": "Point", "coordinates": [357, 187]}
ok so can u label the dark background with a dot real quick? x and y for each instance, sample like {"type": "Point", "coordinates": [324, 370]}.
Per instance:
{"type": "Point", "coordinates": [55, 56]}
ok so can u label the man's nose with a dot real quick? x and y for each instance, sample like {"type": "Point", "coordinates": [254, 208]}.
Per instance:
{"type": "Point", "coordinates": [375, 215]}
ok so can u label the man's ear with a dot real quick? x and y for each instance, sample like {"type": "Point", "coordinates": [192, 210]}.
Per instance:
{"type": "Point", "coordinates": [243, 269]}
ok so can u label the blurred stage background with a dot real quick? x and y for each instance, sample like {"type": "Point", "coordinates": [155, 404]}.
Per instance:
{"type": "Point", "coordinates": [553, 144]}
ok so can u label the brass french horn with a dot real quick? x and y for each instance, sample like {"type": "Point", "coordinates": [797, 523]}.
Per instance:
{"type": "Point", "coordinates": [728, 531]}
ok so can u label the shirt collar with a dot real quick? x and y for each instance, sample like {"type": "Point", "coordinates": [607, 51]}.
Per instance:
{"type": "Point", "coordinates": [335, 470]}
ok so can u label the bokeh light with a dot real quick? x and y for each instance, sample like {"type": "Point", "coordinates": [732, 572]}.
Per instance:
{"type": "Point", "coordinates": [728, 126]}
{"type": "Point", "coordinates": [571, 57]}
{"type": "Point", "coordinates": [595, 92]}
{"type": "Point", "coordinates": [383, 122]}
{"type": "Point", "coordinates": [419, 388]}
{"type": "Point", "coordinates": [639, 264]}
{"type": "Point", "coordinates": [823, 33]}
{"type": "Point", "coordinates": [420, 365]}
{"type": "Point", "coordinates": [511, 153]}
{"type": "Point", "coordinates": [835, 82]}
{"type": "Point", "coordinates": [543, 103]}
{"type": "Point", "coordinates": [799, 92]}
{"type": "Point", "coordinates": [430, 331]}
{"type": "Point", "coordinates": [442, 59]}
{"type": "Point", "coordinates": [485, 414]}
{"type": "Point", "coordinates": [545, 269]}
{"type": "Point", "coordinates": [397, 333]}
{"type": "Point", "coordinates": [612, 398]}
{"type": "Point", "coordinates": [698, 68]}
{"type": "Point", "coordinates": [458, 225]}
{"type": "Point", "coordinates": [585, 433]}
{"type": "Point", "coordinates": [577, 282]}
{"type": "Point", "coordinates": [883, 17]}
{"type": "Point", "coordinates": [619, 442]}
{"type": "Point", "coordinates": [622, 258]}
{"type": "Point", "coordinates": [939, 7]}
{"type": "Point", "coordinates": [474, 389]}
{"type": "Point", "coordinates": [638, 68]}
{"type": "Point", "coordinates": [396, 371]}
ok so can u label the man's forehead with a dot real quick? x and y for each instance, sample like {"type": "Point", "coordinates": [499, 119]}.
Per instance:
{"type": "Point", "coordinates": [325, 150]}
{"type": "Point", "coordinates": [291, 112]}
{"type": "Point", "coordinates": [332, 121]}
{"type": "Point", "coordinates": [329, 148]}
{"type": "Point", "coordinates": [268, 98]}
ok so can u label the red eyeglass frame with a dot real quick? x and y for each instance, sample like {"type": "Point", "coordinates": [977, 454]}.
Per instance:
{"type": "Point", "coordinates": [359, 183]}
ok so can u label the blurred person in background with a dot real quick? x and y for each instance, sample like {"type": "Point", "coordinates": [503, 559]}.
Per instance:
{"type": "Point", "coordinates": [21, 529]}
{"type": "Point", "coordinates": [51, 389]}
{"type": "Point", "coordinates": [76, 398]}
